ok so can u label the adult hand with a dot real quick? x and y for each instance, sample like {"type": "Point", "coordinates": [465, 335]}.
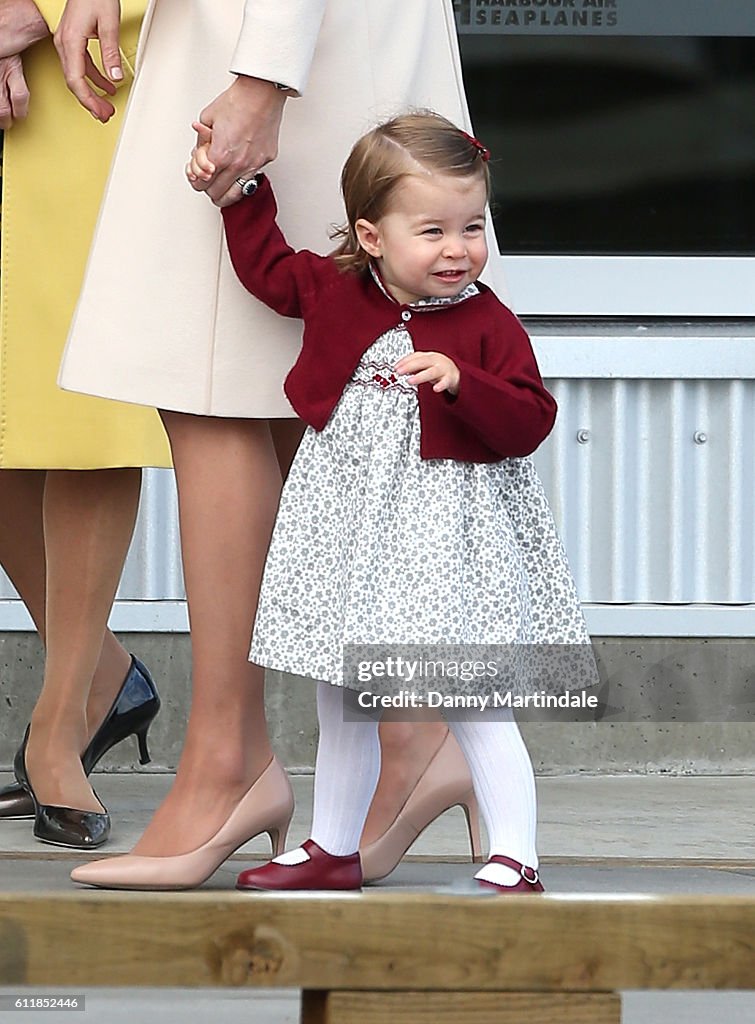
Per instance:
{"type": "Point", "coordinates": [21, 25]}
{"type": "Point", "coordinates": [83, 20]}
{"type": "Point", "coordinates": [245, 124]}
{"type": "Point", "coordinates": [14, 92]}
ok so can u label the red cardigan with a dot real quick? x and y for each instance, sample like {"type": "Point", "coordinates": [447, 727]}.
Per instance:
{"type": "Point", "coordinates": [502, 409]}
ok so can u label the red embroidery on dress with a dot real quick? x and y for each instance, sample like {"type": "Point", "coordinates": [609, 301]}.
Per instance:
{"type": "Point", "coordinates": [383, 382]}
{"type": "Point", "coordinates": [378, 373]}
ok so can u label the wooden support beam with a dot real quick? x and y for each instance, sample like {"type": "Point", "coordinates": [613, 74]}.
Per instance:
{"type": "Point", "coordinates": [460, 1008]}
{"type": "Point", "coordinates": [379, 941]}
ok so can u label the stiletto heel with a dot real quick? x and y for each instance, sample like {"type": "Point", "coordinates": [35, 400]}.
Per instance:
{"type": "Point", "coordinates": [279, 833]}
{"type": "Point", "coordinates": [278, 838]}
{"type": "Point", "coordinates": [133, 711]}
{"type": "Point", "coordinates": [472, 814]}
{"type": "Point", "coordinates": [445, 783]}
{"type": "Point", "coordinates": [267, 806]}
{"type": "Point", "coordinates": [141, 738]}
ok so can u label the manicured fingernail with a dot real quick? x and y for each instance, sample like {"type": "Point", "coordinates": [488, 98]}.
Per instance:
{"type": "Point", "coordinates": [116, 74]}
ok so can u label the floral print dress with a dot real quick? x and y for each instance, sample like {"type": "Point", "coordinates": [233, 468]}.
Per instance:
{"type": "Point", "coordinates": [374, 545]}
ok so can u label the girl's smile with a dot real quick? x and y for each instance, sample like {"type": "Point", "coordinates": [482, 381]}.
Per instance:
{"type": "Point", "coordinates": [431, 242]}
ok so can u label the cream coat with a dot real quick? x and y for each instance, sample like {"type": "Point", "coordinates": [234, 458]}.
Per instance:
{"type": "Point", "coordinates": [162, 319]}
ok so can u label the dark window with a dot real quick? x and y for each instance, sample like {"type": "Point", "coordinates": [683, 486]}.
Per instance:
{"type": "Point", "coordinates": [612, 144]}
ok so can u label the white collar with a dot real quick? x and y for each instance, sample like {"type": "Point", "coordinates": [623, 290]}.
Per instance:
{"type": "Point", "coordinates": [431, 301]}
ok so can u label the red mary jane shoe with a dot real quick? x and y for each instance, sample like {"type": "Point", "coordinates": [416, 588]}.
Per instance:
{"type": "Point", "coordinates": [529, 880]}
{"type": "Point", "coordinates": [321, 871]}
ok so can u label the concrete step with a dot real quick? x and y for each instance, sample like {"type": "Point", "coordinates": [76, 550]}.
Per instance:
{"type": "Point", "coordinates": [648, 821]}
{"type": "Point", "coordinates": [703, 689]}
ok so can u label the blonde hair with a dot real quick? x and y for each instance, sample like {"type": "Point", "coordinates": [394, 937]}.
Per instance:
{"type": "Point", "coordinates": [414, 143]}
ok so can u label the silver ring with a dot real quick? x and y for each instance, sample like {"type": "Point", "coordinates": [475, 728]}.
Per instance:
{"type": "Point", "coordinates": [248, 186]}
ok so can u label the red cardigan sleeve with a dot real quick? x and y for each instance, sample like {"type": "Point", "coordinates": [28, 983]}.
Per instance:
{"type": "Point", "coordinates": [265, 263]}
{"type": "Point", "coordinates": [505, 401]}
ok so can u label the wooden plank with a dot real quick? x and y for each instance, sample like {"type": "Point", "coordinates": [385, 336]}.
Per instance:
{"type": "Point", "coordinates": [460, 1008]}
{"type": "Point", "coordinates": [379, 941]}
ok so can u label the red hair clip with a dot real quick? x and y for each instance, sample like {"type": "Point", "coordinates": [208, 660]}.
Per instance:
{"type": "Point", "coordinates": [482, 150]}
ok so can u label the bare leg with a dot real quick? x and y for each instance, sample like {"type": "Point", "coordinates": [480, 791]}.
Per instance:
{"type": "Point", "coordinates": [22, 555]}
{"type": "Point", "coordinates": [228, 485]}
{"type": "Point", "coordinates": [22, 539]}
{"type": "Point", "coordinates": [228, 488]}
{"type": "Point", "coordinates": [87, 518]}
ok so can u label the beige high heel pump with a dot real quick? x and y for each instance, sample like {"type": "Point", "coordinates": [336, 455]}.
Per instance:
{"type": "Point", "coordinates": [266, 807]}
{"type": "Point", "coordinates": [445, 783]}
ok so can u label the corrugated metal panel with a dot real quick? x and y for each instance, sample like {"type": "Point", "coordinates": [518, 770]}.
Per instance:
{"type": "Point", "coordinates": [653, 484]}
{"type": "Point", "coordinates": [153, 567]}
{"type": "Point", "coordinates": [655, 501]}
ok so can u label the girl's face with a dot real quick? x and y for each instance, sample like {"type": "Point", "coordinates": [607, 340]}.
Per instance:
{"type": "Point", "coordinates": [431, 242]}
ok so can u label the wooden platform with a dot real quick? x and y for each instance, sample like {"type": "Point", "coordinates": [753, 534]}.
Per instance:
{"type": "Point", "coordinates": [389, 958]}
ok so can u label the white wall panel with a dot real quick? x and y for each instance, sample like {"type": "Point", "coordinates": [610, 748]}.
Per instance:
{"type": "Point", "coordinates": [653, 483]}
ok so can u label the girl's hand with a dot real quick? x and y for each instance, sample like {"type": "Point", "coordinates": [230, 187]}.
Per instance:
{"type": "Point", "coordinates": [200, 169]}
{"type": "Point", "coordinates": [431, 366]}
{"type": "Point", "coordinates": [14, 92]}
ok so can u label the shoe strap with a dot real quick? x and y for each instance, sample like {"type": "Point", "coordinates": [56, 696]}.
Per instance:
{"type": "Point", "coordinates": [313, 848]}
{"type": "Point", "coordinates": [529, 874]}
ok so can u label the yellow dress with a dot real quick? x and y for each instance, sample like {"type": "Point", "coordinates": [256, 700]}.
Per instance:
{"type": "Point", "coordinates": [54, 169]}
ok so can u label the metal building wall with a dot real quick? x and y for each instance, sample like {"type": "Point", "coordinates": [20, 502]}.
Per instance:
{"type": "Point", "coordinates": [652, 482]}
{"type": "Point", "coordinates": [153, 568]}
{"type": "Point", "coordinates": [653, 485]}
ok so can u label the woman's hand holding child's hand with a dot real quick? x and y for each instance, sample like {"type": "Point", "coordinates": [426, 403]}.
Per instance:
{"type": "Point", "coordinates": [431, 366]}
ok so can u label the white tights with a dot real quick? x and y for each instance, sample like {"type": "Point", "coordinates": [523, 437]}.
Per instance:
{"type": "Point", "coordinates": [348, 767]}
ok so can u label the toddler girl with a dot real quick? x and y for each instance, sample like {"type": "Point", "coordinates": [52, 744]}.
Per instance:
{"type": "Point", "coordinates": [411, 514]}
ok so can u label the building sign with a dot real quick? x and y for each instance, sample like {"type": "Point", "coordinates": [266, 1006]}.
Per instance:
{"type": "Point", "coordinates": [607, 17]}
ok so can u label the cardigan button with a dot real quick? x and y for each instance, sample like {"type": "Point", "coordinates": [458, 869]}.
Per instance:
{"type": "Point", "coordinates": [406, 315]}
